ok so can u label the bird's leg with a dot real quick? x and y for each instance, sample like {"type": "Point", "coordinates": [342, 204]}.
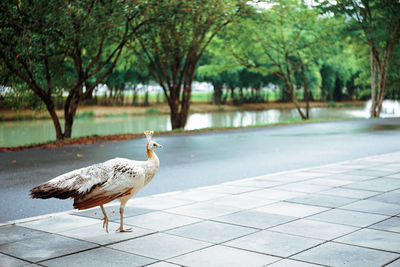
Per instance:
{"type": "Point", "coordinates": [105, 223]}
{"type": "Point", "coordinates": [121, 227]}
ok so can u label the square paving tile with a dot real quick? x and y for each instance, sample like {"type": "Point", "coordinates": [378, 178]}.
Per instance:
{"type": "Point", "coordinates": [348, 177]}
{"type": "Point", "coordinates": [157, 202]}
{"type": "Point", "coordinates": [197, 195]}
{"type": "Point", "coordinates": [396, 175]}
{"type": "Point", "coordinates": [7, 261]}
{"type": "Point", "coordinates": [160, 221]}
{"type": "Point", "coordinates": [241, 201]}
{"type": "Point", "coordinates": [292, 263]}
{"type": "Point", "coordinates": [99, 257]}
{"type": "Point", "coordinates": [395, 263]}
{"type": "Point", "coordinates": [373, 239]}
{"type": "Point", "coordinates": [370, 173]}
{"type": "Point", "coordinates": [112, 212]}
{"type": "Point", "coordinates": [353, 165]}
{"type": "Point", "coordinates": [334, 254]}
{"type": "Point", "coordinates": [314, 229]}
{"type": "Point", "coordinates": [391, 224]}
{"type": "Point", "coordinates": [213, 232]}
{"type": "Point", "coordinates": [257, 183]}
{"type": "Point", "coordinates": [272, 243]}
{"type": "Point", "coordinates": [223, 256]}
{"type": "Point", "coordinates": [256, 219]}
{"type": "Point", "coordinates": [160, 246]}
{"type": "Point", "coordinates": [60, 223]}
{"type": "Point", "coordinates": [322, 200]}
{"type": "Point", "coordinates": [330, 169]}
{"type": "Point", "coordinates": [389, 197]}
{"type": "Point", "coordinates": [329, 182]}
{"type": "Point", "coordinates": [291, 209]}
{"type": "Point", "coordinates": [347, 217]}
{"type": "Point", "coordinates": [351, 193]}
{"type": "Point", "coordinates": [288, 178]}
{"type": "Point", "coordinates": [162, 264]}
{"type": "Point", "coordinates": [373, 207]}
{"type": "Point", "coordinates": [303, 187]}
{"type": "Point", "coordinates": [386, 167]}
{"type": "Point", "coordinates": [378, 184]}
{"type": "Point", "coordinates": [13, 233]}
{"type": "Point", "coordinates": [44, 247]}
{"type": "Point", "coordinates": [98, 235]}
{"type": "Point", "coordinates": [204, 210]}
{"type": "Point", "coordinates": [229, 189]}
{"type": "Point", "coordinates": [308, 174]}
{"type": "Point", "coordinates": [272, 194]}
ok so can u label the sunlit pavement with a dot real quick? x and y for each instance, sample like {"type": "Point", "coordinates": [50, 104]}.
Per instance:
{"type": "Point", "coordinates": [340, 214]}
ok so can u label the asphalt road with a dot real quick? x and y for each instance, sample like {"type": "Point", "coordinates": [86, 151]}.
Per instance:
{"type": "Point", "coordinates": [194, 160]}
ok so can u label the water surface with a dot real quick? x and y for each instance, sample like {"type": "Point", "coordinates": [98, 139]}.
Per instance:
{"type": "Point", "coordinates": [27, 132]}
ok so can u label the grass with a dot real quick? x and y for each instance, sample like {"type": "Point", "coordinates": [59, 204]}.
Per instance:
{"type": "Point", "coordinates": [84, 115]}
{"type": "Point", "coordinates": [332, 104]}
{"type": "Point", "coordinates": [152, 111]}
{"type": "Point", "coordinates": [112, 115]}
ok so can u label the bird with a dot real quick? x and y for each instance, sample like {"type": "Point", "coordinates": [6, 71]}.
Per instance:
{"type": "Point", "coordinates": [98, 184]}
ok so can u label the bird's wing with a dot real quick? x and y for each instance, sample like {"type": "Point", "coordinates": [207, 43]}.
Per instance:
{"type": "Point", "coordinates": [73, 184]}
{"type": "Point", "coordinates": [125, 180]}
{"type": "Point", "coordinates": [78, 183]}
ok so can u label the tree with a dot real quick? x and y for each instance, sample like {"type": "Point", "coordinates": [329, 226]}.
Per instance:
{"type": "Point", "coordinates": [282, 40]}
{"type": "Point", "coordinates": [55, 45]}
{"type": "Point", "coordinates": [379, 22]}
{"type": "Point", "coordinates": [174, 44]}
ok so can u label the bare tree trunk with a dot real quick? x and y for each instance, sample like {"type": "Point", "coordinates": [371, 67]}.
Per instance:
{"type": "Point", "coordinates": [289, 85]}
{"type": "Point", "coordinates": [373, 84]}
{"type": "Point", "coordinates": [306, 91]}
{"type": "Point", "coordinates": [146, 97]}
{"type": "Point", "coordinates": [134, 95]}
{"type": "Point", "coordinates": [217, 96]}
{"type": "Point", "coordinates": [71, 105]}
{"type": "Point", "coordinates": [56, 122]}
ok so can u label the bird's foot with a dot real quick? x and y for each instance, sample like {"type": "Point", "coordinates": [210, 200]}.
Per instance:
{"type": "Point", "coordinates": [105, 223]}
{"type": "Point", "coordinates": [122, 230]}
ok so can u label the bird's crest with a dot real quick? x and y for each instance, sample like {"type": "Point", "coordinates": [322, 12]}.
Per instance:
{"type": "Point", "coordinates": [149, 135]}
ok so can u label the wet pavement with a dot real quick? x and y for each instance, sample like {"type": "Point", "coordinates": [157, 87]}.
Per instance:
{"type": "Point", "coordinates": [194, 160]}
{"type": "Point", "coordinates": [342, 214]}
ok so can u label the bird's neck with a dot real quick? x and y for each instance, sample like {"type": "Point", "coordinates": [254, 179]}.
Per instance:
{"type": "Point", "coordinates": [152, 156]}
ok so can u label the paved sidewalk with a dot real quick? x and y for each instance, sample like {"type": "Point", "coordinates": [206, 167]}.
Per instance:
{"type": "Point", "coordinates": [341, 214]}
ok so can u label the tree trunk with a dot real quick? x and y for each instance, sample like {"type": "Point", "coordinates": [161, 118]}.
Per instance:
{"type": "Point", "coordinates": [232, 93]}
{"type": "Point", "coordinates": [176, 119]}
{"type": "Point", "coordinates": [57, 126]}
{"type": "Point", "coordinates": [289, 85]}
{"type": "Point", "coordinates": [306, 91]}
{"type": "Point", "coordinates": [146, 97]}
{"type": "Point", "coordinates": [134, 95]}
{"type": "Point", "coordinates": [71, 105]}
{"type": "Point", "coordinates": [217, 96]}
{"type": "Point", "coordinates": [373, 84]}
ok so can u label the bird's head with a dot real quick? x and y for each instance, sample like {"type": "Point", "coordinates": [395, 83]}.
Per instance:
{"type": "Point", "coordinates": [150, 143]}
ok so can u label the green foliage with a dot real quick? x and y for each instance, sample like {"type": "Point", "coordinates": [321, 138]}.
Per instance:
{"type": "Point", "coordinates": [172, 45]}
{"type": "Point", "coordinates": [58, 46]}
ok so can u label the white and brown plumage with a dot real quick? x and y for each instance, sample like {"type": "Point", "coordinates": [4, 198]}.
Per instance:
{"type": "Point", "coordinates": [99, 184]}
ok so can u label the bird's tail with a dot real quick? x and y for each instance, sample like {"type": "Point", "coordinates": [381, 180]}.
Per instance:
{"type": "Point", "coordinates": [48, 190]}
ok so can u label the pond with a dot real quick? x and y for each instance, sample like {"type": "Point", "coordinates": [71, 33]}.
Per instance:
{"type": "Point", "coordinates": [18, 133]}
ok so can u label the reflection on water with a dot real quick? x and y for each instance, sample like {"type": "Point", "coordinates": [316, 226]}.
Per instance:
{"type": "Point", "coordinates": [28, 132]}
{"type": "Point", "coordinates": [390, 109]}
